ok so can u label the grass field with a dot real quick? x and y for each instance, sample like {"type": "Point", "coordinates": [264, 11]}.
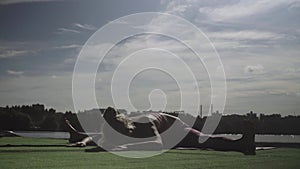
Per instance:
{"type": "Point", "coordinates": [63, 157]}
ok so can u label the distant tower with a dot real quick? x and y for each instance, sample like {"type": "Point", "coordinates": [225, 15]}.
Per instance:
{"type": "Point", "coordinates": [211, 109]}
{"type": "Point", "coordinates": [200, 111]}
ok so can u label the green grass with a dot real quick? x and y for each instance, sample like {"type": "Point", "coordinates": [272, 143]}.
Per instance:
{"type": "Point", "coordinates": [63, 157]}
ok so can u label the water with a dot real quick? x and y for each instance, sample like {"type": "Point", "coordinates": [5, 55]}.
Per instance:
{"type": "Point", "coordinates": [258, 138]}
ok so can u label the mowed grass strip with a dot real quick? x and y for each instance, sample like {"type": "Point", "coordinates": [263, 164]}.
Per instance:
{"type": "Point", "coordinates": [63, 157]}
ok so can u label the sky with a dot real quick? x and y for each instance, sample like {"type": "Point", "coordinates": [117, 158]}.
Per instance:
{"type": "Point", "coordinates": [258, 42]}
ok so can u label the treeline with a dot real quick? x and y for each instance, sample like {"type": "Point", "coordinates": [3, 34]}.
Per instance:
{"type": "Point", "coordinates": [36, 117]}
{"type": "Point", "coordinates": [264, 124]}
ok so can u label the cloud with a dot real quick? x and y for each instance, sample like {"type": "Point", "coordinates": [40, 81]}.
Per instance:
{"type": "Point", "coordinates": [14, 72]}
{"type": "Point", "coordinates": [8, 2]}
{"type": "Point", "coordinates": [62, 30]}
{"type": "Point", "coordinates": [12, 53]}
{"type": "Point", "coordinates": [242, 9]}
{"type": "Point", "coordinates": [75, 28]}
{"type": "Point", "coordinates": [69, 61]}
{"type": "Point", "coordinates": [9, 49]}
{"type": "Point", "coordinates": [117, 22]}
{"type": "Point", "coordinates": [294, 6]}
{"type": "Point", "coordinates": [245, 35]}
{"type": "Point", "coordinates": [72, 46]}
{"type": "Point", "coordinates": [254, 69]}
{"type": "Point", "coordinates": [85, 26]}
{"type": "Point", "coordinates": [279, 92]}
{"type": "Point", "coordinates": [245, 20]}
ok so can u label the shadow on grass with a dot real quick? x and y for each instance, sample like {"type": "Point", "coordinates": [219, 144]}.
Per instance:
{"type": "Point", "coordinates": [10, 148]}
{"type": "Point", "coordinates": [39, 150]}
{"type": "Point", "coordinates": [33, 145]}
